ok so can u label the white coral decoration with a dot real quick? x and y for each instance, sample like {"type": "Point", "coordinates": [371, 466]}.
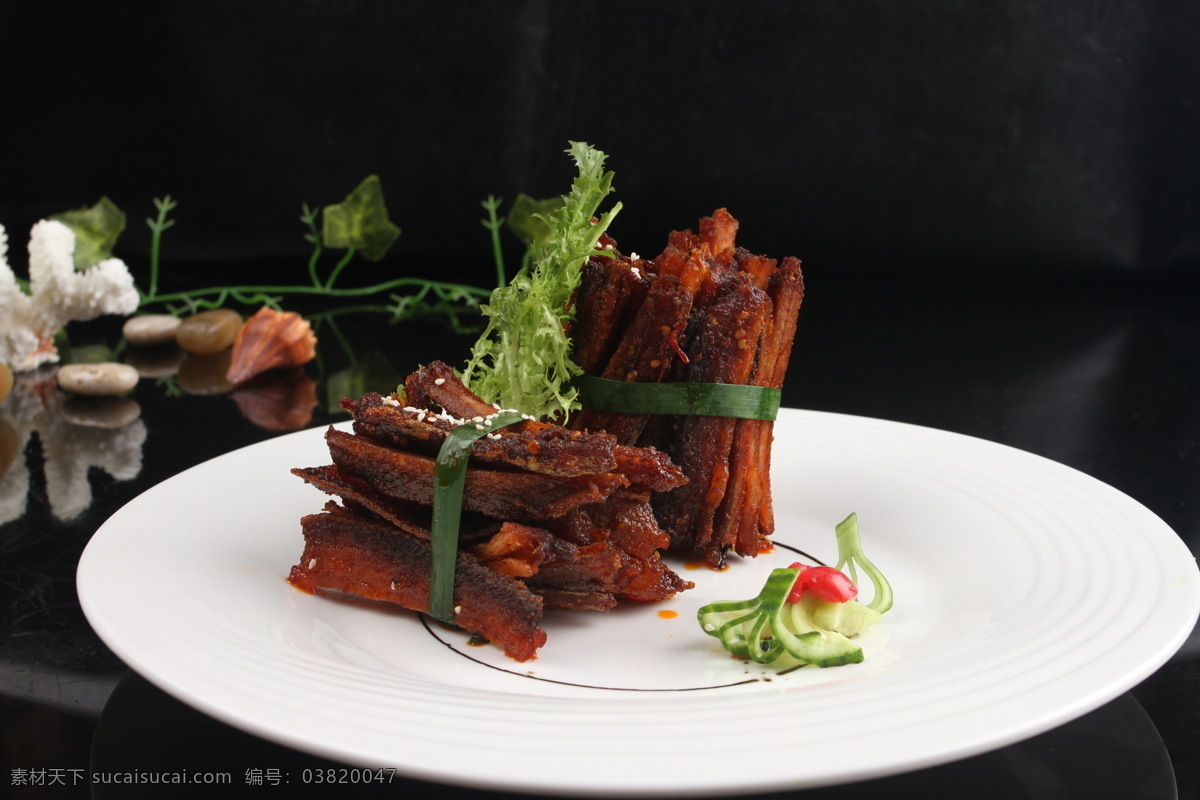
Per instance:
{"type": "Point", "coordinates": [59, 294]}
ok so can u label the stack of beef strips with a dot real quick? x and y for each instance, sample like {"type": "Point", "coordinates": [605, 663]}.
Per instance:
{"type": "Point", "coordinates": [573, 517]}
{"type": "Point", "coordinates": [704, 311]}
{"type": "Point", "coordinates": [551, 517]}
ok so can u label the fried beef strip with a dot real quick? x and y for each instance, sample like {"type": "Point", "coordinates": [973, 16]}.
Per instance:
{"type": "Point", "coordinates": [721, 347]}
{"type": "Point", "coordinates": [743, 310]}
{"type": "Point", "coordinates": [644, 354]}
{"type": "Point", "coordinates": [563, 514]}
{"type": "Point", "coordinates": [610, 287]}
{"type": "Point", "coordinates": [515, 496]}
{"type": "Point", "coordinates": [549, 450]}
{"type": "Point", "coordinates": [436, 385]}
{"type": "Point", "coordinates": [410, 517]}
{"type": "Point", "coordinates": [746, 517]}
{"type": "Point", "coordinates": [373, 559]}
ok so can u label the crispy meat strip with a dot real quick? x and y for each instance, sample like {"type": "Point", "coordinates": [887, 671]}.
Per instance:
{"type": "Point", "coordinates": [410, 517]}
{"type": "Point", "coordinates": [512, 496]}
{"type": "Point", "coordinates": [717, 234]}
{"type": "Point", "coordinates": [546, 563]}
{"type": "Point", "coordinates": [629, 525]}
{"type": "Point", "coordinates": [548, 450]}
{"type": "Point", "coordinates": [721, 349]}
{"type": "Point", "coordinates": [645, 354]}
{"type": "Point", "coordinates": [607, 289]}
{"type": "Point", "coordinates": [787, 293]}
{"type": "Point", "coordinates": [372, 559]}
{"type": "Point", "coordinates": [520, 551]}
{"type": "Point", "coordinates": [643, 467]}
{"type": "Point", "coordinates": [575, 600]}
{"type": "Point", "coordinates": [437, 386]}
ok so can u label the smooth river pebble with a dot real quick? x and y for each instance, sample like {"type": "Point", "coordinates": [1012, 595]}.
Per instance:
{"type": "Point", "coordinates": [97, 379]}
{"type": "Point", "coordinates": [151, 329]}
{"type": "Point", "coordinates": [209, 331]}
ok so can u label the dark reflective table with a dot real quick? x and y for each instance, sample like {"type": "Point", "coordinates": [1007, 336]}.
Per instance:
{"type": "Point", "coordinates": [1099, 371]}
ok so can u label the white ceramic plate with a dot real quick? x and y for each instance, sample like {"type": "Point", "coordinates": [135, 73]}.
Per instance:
{"type": "Point", "coordinates": [1027, 594]}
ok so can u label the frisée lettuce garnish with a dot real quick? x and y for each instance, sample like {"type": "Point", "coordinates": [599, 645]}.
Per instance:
{"type": "Point", "coordinates": [522, 358]}
{"type": "Point", "coordinates": [804, 615]}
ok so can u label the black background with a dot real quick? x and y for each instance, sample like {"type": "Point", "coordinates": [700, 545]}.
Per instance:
{"type": "Point", "coordinates": [1016, 137]}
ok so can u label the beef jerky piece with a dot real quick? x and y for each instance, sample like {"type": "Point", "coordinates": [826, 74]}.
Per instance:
{"type": "Point", "coordinates": [645, 354]}
{"type": "Point", "coordinates": [437, 385]}
{"type": "Point", "coordinates": [644, 467]}
{"type": "Point", "coordinates": [513, 496]}
{"type": "Point", "coordinates": [721, 350]}
{"type": "Point", "coordinates": [648, 580]}
{"type": "Point", "coordinates": [630, 526]}
{"type": "Point", "coordinates": [683, 240]}
{"type": "Point", "coordinates": [549, 450]}
{"type": "Point", "coordinates": [371, 559]}
{"type": "Point", "coordinates": [685, 264]}
{"type": "Point", "coordinates": [717, 234]}
{"type": "Point", "coordinates": [746, 516]}
{"type": "Point", "coordinates": [543, 562]}
{"type": "Point", "coordinates": [759, 268]}
{"type": "Point", "coordinates": [642, 578]}
{"type": "Point", "coordinates": [787, 293]}
{"type": "Point", "coordinates": [596, 567]}
{"type": "Point", "coordinates": [575, 600]}
{"type": "Point", "coordinates": [520, 551]}
{"type": "Point", "coordinates": [607, 288]}
{"type": "Point", "coordinates": [649, 468]}
{"type": "Point", "coordinates": [409, 517]}
{"type": "Point", "coordinates": [629, 577]}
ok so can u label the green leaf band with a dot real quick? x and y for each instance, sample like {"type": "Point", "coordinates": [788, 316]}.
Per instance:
{"type": "Point", "coordinates": [449, 476]}
{"type": "Point", "coordinates": [706, 399]}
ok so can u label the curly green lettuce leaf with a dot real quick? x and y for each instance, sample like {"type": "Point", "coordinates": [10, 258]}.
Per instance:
{"type": "Point", "coordinates": [360, 222]}
{"type": "Point", "coordinates": [522, 358]}
{"type": "Point", "coordinates": [96, 228]}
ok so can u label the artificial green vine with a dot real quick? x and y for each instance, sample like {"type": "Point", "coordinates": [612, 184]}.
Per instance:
{"type": "Point", "coordinates": [360, 226]}
{"type": "Point", "coordinates": [157, 225]}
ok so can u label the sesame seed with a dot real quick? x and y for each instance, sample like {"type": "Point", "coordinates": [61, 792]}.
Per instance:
{"type": "Point", "coordinates": [312, 563]}
{"type": "Point", "coordinates": [439, 381]}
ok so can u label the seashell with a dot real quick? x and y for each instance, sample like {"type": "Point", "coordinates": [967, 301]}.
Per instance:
{"type": "Point", "coordinates": [281, 401]}
{"type": "Point", "coordinates": [269, 340]}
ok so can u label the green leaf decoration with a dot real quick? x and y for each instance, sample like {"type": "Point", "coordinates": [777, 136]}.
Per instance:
{"type": "Point", "coordinates": [360, 222]}
{"type": "Point", "coordinates": [526, 219]}
{"type": "Point", "coordinates": [96, 231]}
